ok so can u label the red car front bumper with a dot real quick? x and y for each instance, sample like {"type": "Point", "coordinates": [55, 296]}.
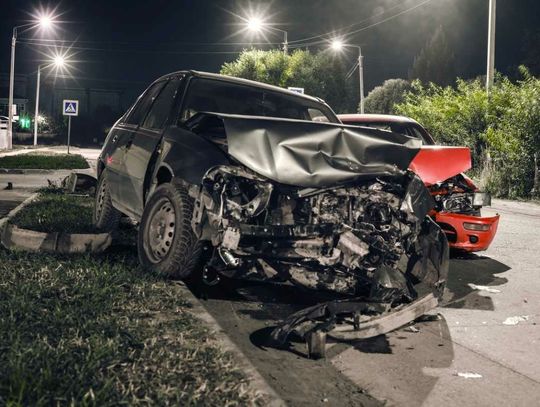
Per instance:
{"type": "Point", "coordinates": [461, 238]}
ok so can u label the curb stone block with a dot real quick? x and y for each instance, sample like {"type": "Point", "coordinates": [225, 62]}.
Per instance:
{"type": "Point", "coordinates": [14, 237]}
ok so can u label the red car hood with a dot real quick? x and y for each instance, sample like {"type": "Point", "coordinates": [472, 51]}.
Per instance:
{"type": "Point", "coordinates": [438, 163]}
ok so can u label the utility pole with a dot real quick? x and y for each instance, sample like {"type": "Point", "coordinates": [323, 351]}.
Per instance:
{"type": "Point", "coordinates": [491, 45]}
{"type": "Point", "coordinates": [361, 74]}
{"type": "Point", "coordinates": [36, 115]}
{"type": "Point", "coordinates": [11, 85]}
{"type": "Point", "coordinates": [285, 43]}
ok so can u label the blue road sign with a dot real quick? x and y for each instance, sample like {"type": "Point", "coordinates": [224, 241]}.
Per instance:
{"type": "Point", "coordinates": [70, 107]}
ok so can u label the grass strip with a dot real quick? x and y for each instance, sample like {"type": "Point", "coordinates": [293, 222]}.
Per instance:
{"type": "Point", "coordinates": [97, 330]}
{"type": "Point", "coordinates": [44, 162]}
{"type": "Point", "coordinates": [57, 212]}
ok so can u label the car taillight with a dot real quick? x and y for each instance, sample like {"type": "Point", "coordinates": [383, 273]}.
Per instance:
{"type": "Point", "coordinates": [476, 226]}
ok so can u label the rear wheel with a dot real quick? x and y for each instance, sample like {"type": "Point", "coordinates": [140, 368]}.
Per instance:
{"type": "Point", "coordinates": [106, 217]}
{"type": "Point", "coordinates": [166, 242]}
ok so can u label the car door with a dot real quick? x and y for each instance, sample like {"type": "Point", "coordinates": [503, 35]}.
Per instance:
{"type": "Point", "coordinates": [144, 141]}
{"type": "Point", "coordinates": [121, 138]}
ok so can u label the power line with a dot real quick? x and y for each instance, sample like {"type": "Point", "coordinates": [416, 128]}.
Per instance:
{"type": "Point", "coordinates": [293, 44]}
{"type": "Point", "coordinates": [148, 43]}
{"type": "Point", "coordinates": [361, 29]}
{"type": "Point", "coordinates": [349, 26]}
{"type": "Point", "coordinates": [390, 18]}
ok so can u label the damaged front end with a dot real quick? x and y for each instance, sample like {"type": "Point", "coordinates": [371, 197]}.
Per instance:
{"type": "Point", "coordinates": [457, 210]}
{"type": "Point", "coordinates": [370, 241]}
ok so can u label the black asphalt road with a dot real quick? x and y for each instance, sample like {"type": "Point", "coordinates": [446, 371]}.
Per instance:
{"type": "Point", "coordinates": [472, 356]}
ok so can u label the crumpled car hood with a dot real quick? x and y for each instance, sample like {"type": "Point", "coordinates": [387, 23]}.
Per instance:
{"type": "Point", "coordinates": [315, 154]}
{"type": "Point", "coordinates": [435, 164]}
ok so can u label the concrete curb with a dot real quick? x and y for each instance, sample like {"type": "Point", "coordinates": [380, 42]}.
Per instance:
{"type": "Point", "coordinates": [13, 237]}
{"type": "Point", "coordinates": [257, 382]}
{"type": "Point", "coordinates": [27, 171]}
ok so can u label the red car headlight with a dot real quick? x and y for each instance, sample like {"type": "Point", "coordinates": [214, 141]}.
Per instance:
{"type": "Point", "coordinates": [476, 227]}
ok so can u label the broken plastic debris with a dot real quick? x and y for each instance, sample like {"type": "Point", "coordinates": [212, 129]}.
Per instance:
{"type": "Point", "coordinates": [484, 288]}
{"type": "Point", "coordinates": [515, 320]}
{"type": "Point", "coordinates": [469, 375]}
{"type": "Point", "coordinates": [412, 329]}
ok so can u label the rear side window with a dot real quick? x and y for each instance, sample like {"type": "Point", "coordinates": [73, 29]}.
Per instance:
{"type": "Point", "coordinates": [162, 106]}
{"type": "Point", "coordinates": [140, 110]}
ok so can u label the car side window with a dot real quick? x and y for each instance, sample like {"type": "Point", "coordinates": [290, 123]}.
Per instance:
{"type": "Point", "coordinates": [138, 113]}
{"type": "Point", "coordinates": [162, 106]}
{"type": "Point", "coordinates": [414, 132]}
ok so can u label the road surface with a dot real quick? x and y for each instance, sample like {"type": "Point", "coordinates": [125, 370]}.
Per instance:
{"type": "Point", "coordinates": [423, 368]}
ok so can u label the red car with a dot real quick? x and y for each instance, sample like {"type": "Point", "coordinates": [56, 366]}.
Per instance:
{"type": "Point", "coordinates": [458, 200]}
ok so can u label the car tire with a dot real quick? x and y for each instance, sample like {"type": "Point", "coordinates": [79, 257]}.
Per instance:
{"type": "Point", "coordinates": [166, 242]}
{"type": "Point", "coordinates": [106, 217]}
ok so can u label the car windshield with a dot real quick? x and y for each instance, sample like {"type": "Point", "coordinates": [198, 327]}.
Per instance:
{"type": "Point", "coordinates": [209, 95]}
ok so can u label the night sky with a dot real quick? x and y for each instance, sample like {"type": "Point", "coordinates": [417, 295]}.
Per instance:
{"type": "Point", "coordinates": [130, 43]}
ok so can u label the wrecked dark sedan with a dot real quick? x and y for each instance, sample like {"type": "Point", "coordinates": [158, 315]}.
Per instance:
{"type": "Point", "coordinates": [238, 178]}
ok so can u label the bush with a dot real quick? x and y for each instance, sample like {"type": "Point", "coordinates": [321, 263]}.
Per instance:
{"type": "Point", "coordinates": [502, 129]}
{"type": "Point", "coordinates": [383, 98]}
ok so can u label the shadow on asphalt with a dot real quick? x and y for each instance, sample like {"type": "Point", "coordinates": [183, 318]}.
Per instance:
{"type": "Point", "coordinates": [468, 268]}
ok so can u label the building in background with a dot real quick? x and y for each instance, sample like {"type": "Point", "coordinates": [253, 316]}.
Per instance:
{"type": "Point", "coordinates": [20, 95]}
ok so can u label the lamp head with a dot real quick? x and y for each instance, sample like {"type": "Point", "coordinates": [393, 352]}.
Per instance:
{"type": "Point", "coordinates": [255, 24]}
{"type": "Point", "coordinates": [337, 45]}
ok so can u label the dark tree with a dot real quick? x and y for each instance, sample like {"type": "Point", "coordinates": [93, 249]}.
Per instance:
{"type": "Point", "coordinates": [531, 49]}
{"type": "Point", "coordinates": [436, 61]}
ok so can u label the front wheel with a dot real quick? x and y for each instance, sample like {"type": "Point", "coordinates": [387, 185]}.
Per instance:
{"type": "Point", "coordinates": [166, 243]}
{"type": "Point", "coordinates": [106, 217]}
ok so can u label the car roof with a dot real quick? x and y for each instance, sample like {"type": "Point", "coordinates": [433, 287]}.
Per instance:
{"type": "Point", "coordinates": [209, 75]}
{"type": "Point", "coordinates": [380, 118]}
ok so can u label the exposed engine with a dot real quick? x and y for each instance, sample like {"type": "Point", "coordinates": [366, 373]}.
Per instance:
{"type": "Point", "coordinates": [363, 239]}
{"type": "Point", "coordinates": [459, 195]}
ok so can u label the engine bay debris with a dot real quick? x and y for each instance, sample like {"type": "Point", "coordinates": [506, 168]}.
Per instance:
{"type": "Point", "coordinates": [324, 210]}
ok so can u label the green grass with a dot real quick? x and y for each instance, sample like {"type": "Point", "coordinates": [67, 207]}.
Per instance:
{"type": "Point", "coordinates": [57, 212]}
{"type": "Point", "coordinates": [98, 331]}
{"type": "Point", "coordinates": [45, 162]}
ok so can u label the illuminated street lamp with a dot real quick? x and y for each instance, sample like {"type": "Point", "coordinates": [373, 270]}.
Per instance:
{"type": "Point", "coordinates": [256, 25]}
{"type": "Point", "coordinates": [58, 62]}
{"type": "Point", "coordinates": [44, 21]}
{"type": "Point", "coordinates": [338, 46]}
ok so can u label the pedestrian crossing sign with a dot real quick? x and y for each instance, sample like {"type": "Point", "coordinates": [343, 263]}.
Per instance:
{"type": "Point", "coordinates": [70, 107]}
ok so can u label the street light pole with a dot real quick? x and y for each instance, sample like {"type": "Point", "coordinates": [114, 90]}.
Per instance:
{"type": "Point", "coordinates": [44, 21]}
{"type": "Point", "coordinates": [338, 45]}
{"type": "Point", "coordinates": [36, 115]}
{"type": "Point", "coordinates": [11, 86]}
{"type": "Point", "coordinates": [361, 78]}
{"type": "Point", "coordinates": [491, 45]}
